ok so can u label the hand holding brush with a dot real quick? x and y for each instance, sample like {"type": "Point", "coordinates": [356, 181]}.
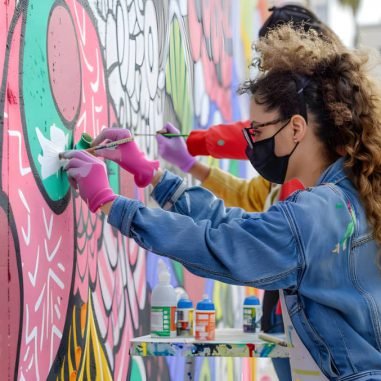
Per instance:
{"type": "Point", "coordinates": [174, 150]}
{"type": "Point", "coordinates": [108, 145]}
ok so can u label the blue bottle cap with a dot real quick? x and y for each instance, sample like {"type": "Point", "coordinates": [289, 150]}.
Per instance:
{"type": "Point", "coordinates": [184, 303]}
{"type": "Point", "coordinates": [251, 301]}
{"type": "Point", "coordinates": [205, 304]}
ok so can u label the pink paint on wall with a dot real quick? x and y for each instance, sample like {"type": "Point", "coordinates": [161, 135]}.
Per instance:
{"type": "Point", "coordinates": [211, 43]}
{"type": "Point", "coordinates": [9, 274]}
{"type": "Point", "coordinates": [64, 62]}
{"type": "Point", "coordinates": [46, 244]}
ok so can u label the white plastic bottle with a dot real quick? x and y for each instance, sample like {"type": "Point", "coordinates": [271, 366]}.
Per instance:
{"type": "Point", "coordinates": [163, 305]}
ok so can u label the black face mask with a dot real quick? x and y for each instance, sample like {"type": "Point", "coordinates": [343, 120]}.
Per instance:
{"type": "Point", "coordinates": [262, 157]}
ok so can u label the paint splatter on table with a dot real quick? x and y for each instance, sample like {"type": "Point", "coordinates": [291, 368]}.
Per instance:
{"type": "Point", "coordinates": [229, 342]}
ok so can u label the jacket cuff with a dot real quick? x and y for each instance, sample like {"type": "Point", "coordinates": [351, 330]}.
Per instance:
{"type": "Point", "coordinates": [196, 143]}
{"type": "Point", "coordinates": [122, 213]}
{"type": "Point", "coordinates": [168, 190]}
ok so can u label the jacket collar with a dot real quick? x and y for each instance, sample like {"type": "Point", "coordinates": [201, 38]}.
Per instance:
{"type": "Point", "coordinates": [334, 173]}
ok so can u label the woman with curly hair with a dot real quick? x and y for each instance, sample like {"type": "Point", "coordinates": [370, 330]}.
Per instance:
{"type": "Point", "coordinates": [317, 118]}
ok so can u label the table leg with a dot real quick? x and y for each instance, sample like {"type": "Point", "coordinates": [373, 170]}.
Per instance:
{"type": "Point", "coordinates": [189, 366]}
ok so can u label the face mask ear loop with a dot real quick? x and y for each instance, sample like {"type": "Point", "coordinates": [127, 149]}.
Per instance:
{"type": "Point", "coordinates": [281, 128]}
{"type": "Point", "coordinates": [296, 144]}
{"type": "Point", "coordinates": [293, 149]}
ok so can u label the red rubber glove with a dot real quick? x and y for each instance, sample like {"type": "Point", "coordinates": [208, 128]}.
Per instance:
{"type": "Point", "coordinates": [88, 174]}
{"type": "Point", "coordinates": [126, 155]}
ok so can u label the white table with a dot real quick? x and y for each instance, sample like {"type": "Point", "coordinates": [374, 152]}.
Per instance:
{"type": "Point", "coordinates": [229, 342]}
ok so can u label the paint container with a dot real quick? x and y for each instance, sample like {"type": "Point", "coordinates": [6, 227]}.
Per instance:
{"type": "Point", "coordinates": [205, 319]}
{"type": "Point", "coordinates": [84, 142]}
{"type": "Point", "coordinates": [163, 305]}
{"type": "Point", "coordinates": [252, 313]}
{"type": "Point", "coordinates": [184, 317]}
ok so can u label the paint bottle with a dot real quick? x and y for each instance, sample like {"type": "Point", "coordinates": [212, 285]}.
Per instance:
{"type": "Point", "coordinates": [184, 316]}
{"type": "Point", "coordinates": [163, 305]}
{"type": "Point", "coordinates": [205, 319]}
{"type": "Point", "coordinates": [84, 142]}
{"type": "Point", "coordinates": [252, 313]}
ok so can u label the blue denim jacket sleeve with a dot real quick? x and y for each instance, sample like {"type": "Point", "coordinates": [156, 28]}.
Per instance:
{"type": "Point", "coordinates": [226, 244]}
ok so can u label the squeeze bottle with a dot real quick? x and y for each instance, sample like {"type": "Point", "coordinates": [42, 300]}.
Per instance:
{"type": "Point", "coordinates": [163, 305]}
{"type": "Point", "coordinates": [205, 318]}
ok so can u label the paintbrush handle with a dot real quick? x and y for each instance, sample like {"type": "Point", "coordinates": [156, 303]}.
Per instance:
{"type": "Point", "coordinates": [272, 339]}
{"type": "Point", "coordinates": [175, 135]}
{"type": "Point", "coordinates": [110, 145]}
{"type": "Point", "coordinates": [166, 134]}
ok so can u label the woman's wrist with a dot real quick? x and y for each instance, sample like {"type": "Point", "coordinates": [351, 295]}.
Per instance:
{"type": "Point", "coordinates": [156, 177]}
{"type": "Point", "coordinates": [105, 208]}
{"type": "Point", "coordinates": [200, 171]}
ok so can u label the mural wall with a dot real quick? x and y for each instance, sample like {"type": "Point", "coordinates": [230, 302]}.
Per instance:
{"type": "Point", "coordinates": [74, 291]}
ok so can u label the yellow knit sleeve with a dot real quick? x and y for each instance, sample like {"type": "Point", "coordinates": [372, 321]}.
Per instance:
{"type": "Point", "coordinates": [247, 194]}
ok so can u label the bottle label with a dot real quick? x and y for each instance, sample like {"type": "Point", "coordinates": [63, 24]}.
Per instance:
{"type": "Point", "coordinates": [205, 325]}
{"type": "Point", "coordinates": [163, 321]}
{"type": "Point", "coordinates": [184, 322]}
{"type": "Point", "coordinates": [250, 319]}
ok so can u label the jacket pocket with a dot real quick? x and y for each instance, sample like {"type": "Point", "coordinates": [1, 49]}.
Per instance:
{"type": "Point", "coordinates": [363, 376]}
{"type": "Point", "coordinates": [312, 341]}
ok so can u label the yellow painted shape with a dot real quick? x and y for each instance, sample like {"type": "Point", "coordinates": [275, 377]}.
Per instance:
{"type": "Point", "coordinates": [205, 370]}
{"type": "Point", "coordinates": [230, 368]}
{"type": "Point", "coordinates": [89, 357]}
{"type": "Point", "coordinates": [217, 290]}
{"type": "Point", "coordinates": [92, 343]}
{"type": "Point", "coordinates": [304, 372]}
{"type": "Point", "coordinates": [247, 10]}
{"type": "Point", "coordinates": [144, 349]}
{"type": "Point", "coordinates": [70, 360]}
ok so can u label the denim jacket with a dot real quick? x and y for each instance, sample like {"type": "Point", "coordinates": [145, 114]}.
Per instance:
{"type": "Point", "coordinates": [316, 246]}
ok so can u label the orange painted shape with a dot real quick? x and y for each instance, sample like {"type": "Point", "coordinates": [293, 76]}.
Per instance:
{"type": "Point", "coordinates": [83, 318]}
{"type": "Point", "coordinates": [78, 355]}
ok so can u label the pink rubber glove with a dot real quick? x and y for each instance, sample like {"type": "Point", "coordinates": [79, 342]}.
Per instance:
{"type": "Point", "coordinates": [88, 174]}
{"type": "Point", "coordinates": [174, 150]}
{"type": "Point", "coordinates": [127, 155]}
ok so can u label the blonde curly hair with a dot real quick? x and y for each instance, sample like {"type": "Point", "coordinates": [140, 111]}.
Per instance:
{"type": "Point", "coordinates": [340, 95]}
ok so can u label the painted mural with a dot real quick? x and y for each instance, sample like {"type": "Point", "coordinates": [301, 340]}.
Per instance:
{"type": "Point", "coordinates": [74, 291]}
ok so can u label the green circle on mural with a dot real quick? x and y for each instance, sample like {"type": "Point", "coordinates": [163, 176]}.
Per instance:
{"type": "Point", "coordinates": [45, 105]}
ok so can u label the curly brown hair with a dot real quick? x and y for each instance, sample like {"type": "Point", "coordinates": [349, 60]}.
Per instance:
{"type": "Point", "coordinates": [340, 96]}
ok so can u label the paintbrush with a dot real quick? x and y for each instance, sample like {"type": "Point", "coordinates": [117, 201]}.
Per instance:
{"type": "Point", "coordinates": [125, 140]}
{"type": "Point", "coordinates": [110, 145]}
{"type": "Point", "coordinates": [102, 146]}
{"type": "Point", "coordinates": [166, 134]}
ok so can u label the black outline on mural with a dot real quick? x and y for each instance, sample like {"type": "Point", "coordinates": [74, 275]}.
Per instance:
{"type": "Point", "coordinates": [6, 206]}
